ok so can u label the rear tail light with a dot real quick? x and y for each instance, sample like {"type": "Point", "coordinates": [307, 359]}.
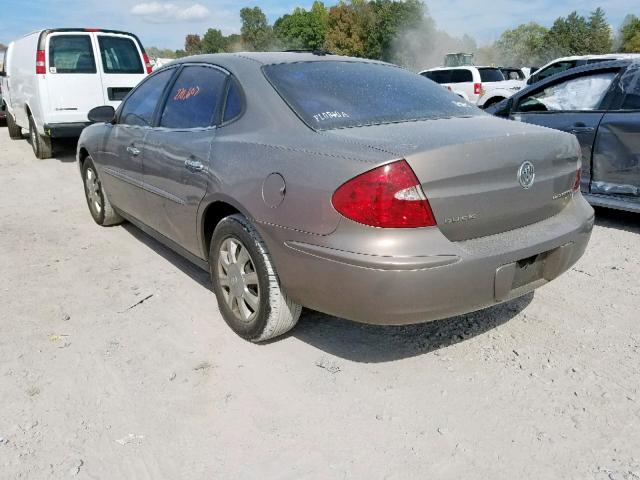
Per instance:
{"type": "Point", "coordinates": [389, 196]}
{"type": "Point", "coordinates": [41, 62]}
{"type": "Point", "coordinates": [147, 63]}
{"type": "Point", "coordinates": [576, 182]}
{"type": "Point", "coordinates": [477, 89]}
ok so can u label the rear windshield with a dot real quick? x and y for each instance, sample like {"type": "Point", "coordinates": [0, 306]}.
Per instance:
{"type": "Point", "coordinates": [490, 75]}
{"type": "Point", "coordinates": [334, 94]}
{"type": "Point", "coordinates": [71, 54]}
{"type": "Point", "coordinates": [119, 55]}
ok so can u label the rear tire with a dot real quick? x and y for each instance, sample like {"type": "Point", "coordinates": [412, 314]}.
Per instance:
{"type": "Point", "coordinates": [245, 282]}
{"type": "Point", "coordinates": [15, 132]}
{"type": "Point", "coordinates": [97, 200]}
{"type": "Point", "coordinates": [41, 144]}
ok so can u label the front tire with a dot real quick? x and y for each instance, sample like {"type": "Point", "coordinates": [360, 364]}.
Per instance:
{"type": "Point", "coordinates": [41, 144]}
{"type": "Point", "coordinates": [245, 282]}
{"type": "Point", "coordinates": [15, 132]}
{"type": "Point", "coordinates": [97, 200]}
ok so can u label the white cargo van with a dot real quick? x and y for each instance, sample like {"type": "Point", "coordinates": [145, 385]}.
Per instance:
{"type": "Point", "coordinates": [52, 78]}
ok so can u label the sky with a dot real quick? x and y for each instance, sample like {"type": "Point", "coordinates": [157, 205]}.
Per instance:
{"type": "Point", "coordinates": [164, 24]}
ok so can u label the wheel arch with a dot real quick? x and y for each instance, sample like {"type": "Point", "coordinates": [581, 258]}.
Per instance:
{"type": "Point", "coordinates": [214, 209]}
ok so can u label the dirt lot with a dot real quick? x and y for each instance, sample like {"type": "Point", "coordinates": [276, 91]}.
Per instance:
{"type": "Point", "coordinates": [115, 363]}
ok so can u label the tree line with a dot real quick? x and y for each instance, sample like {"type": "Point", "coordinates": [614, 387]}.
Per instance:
{"type": "Point", "coordinates": [403, 32]}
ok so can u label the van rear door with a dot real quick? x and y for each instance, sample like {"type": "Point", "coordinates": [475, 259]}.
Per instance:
{"type": "Point", "coordinates": [72, 80]}
{"type": "Point", "coordinates": [122, 65]}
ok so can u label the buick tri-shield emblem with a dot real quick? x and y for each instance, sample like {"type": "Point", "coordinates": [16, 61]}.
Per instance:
{"type": "Point", "coordinates": [526, 175]}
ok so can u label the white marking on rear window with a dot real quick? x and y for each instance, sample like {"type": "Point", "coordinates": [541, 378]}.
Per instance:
{"type": "Point", "coordinates": [319, 117]}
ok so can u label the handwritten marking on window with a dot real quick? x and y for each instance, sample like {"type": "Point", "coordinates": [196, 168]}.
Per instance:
{"type": "Point", "coordinates": [185, 93]}
{"type": "Point", "coordinates": [330, 115]}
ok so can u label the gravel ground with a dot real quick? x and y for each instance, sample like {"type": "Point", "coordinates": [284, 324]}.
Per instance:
{"type": "Point", "coordinates": [115, 363]}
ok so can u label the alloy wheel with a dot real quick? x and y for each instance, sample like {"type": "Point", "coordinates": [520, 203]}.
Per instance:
{"type": "Point", "coordinates": [92, 187]}
{"type": "Point", "coordinates": [238, 279]}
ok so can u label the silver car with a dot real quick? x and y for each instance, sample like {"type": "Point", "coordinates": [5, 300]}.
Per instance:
{"type": "Point", "coordinates": [348, 186]}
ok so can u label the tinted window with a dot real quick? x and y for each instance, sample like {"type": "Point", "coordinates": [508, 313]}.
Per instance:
{"type": "Point", "coordinates": [334, 94]}
{"type": "Point", "coordinates": [119, 55]}
{"type": "Point", "coordinates": [490, 75]}
{"type": "Point", "coordinates": [439, 76]}
{"type": "Point", "coordinates": [580, 93]}
{"type": "Point", "coordinates": [138, 109]}
{"type": "Point", "coordinates": [461, 76]}
{"type": "Point", "coordinates": [71, 54]}
{"type": "Point", "coordinates": [513, 74]}
{"type": "Point", "coordinates": [630, 85]}
{"type": "Point", "coordinates": [194, 98]}
{"type": "Point", "coordinates": [233, 106]}
{"type": "Point", "coordinates": [554, 68]}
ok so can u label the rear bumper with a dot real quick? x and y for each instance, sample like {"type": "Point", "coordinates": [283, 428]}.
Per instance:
{"type": "Point", "coordinates": [65, 130]}
{"type": "Point", "coordinates": [442, 280]}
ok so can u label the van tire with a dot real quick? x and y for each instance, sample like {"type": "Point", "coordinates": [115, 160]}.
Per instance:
{"type": "Point", "coordinates": [276, 313]}
{"type": "Point", "coordinates": [103, 213]}
{"type": "Point", "coordinates": [41, 144]}
{"type": "Point", "coordinates": [15, 132]}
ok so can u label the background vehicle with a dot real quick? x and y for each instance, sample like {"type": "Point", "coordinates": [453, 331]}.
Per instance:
{"type": "Point", "coordinates": [458, 59]}
{"type": "Point", "coordinates": [512, 73]}
{"type": "Point", "coordinates": [295, 183]}
{"type": "Point", "coordinates": [53, 77]}
{"type": "Point", "coordinates": [599, 104]}
{"type": "Point", "coordinates": [3, 108]}
{"type": "Point", "coordinates": [565, 63]}
{"type": "Point", "coordinates": [470, 83]}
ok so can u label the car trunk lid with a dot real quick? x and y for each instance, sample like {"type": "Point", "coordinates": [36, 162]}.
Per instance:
{"type": "Point", "coordinates": [469, 170]}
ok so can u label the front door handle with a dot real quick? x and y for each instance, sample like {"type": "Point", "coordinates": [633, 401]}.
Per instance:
{"type": "Point", "coordinates": [133, 150]}
{"type": "Point", "coordinates": [581, 129]}
{"type": "Point", "coordinates": [194, 165]}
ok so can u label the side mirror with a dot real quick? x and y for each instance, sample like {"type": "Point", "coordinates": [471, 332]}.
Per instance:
{"type": "Point", "coordinates": [3, 73]}
{"type": "Point", "coordinates": [103, 114]}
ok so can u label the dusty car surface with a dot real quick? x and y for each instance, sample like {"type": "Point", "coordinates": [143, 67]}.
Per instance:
{"type": "Point", "coordinates": [348, 186]}
{"type": "Point", "coordinates": [600, 105]}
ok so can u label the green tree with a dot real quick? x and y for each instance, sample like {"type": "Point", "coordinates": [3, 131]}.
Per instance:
{"type": "Point", "coordinates": [213, 41]}
{"type": "Point", "coordinates": [392, 17]}
{"type": "Point", "coordinates": [522, 46]}
{"type": "Point", "coordinates": [349, 26]}
{"type": "Point", "coordinates": [303, 29]}
{"type": "Point", "coordinates": [630, 34]}
{"type": "Point", "coordinates": [600, 35]}
{"type": "Point", "coordinates": [568, 36]}
{"type": "Point", "coordinates": [256, 32]}
{"type": "Point", "coordinates": [192, 44]}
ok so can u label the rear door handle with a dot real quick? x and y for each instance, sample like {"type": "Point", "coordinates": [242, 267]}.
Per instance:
{"type": "Point", "coordinates": [133, 150]}
{"type": "Point", "coordinates": [194, 165]}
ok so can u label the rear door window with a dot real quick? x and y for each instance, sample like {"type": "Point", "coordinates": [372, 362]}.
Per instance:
{"type": "Point", "coordinates": [195, 98]}
{"type": "Point", "coordinates": [555, 68]}
{"type": "Point", "coordinates": [139, 107]}
{"type": "Point", "coordinates": [341, 94]}
{"type": "Point", "coordinates": [439, 76]}
{"type": "Point", "coordinates": [233, 105]}
{"type": "Point", "coordinates": [71, 54]}
{"type": "Point", "coordinates": [119, 55]}
{"type": "Point", "coordinates": [491, 75]}
{"type": "Point", "coordinates": [461, 76]}
{"type": "Point", "coordinates": [630, 86]}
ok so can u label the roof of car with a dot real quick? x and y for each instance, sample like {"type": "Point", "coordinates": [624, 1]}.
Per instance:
{"type": "Point", "coordinates": [592, 57]}
{"type": "Point", "coordinates": [267, 58]}
{"type": "Point", "coordinates": [459, 68]}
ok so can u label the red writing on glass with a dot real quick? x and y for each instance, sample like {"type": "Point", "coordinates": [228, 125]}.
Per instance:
{"type": "Point", "coordinates": [184, 93]}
